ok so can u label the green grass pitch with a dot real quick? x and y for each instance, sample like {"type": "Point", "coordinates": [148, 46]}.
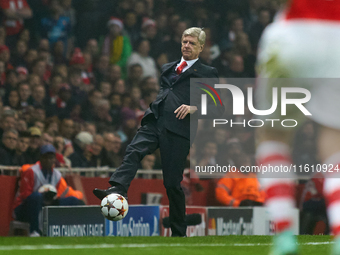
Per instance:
{"type": "Point", "coordinates": [236, 245]}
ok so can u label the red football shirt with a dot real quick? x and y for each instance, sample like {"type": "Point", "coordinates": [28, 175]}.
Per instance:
{"type": "Point", "coordinates": [13, 27]}
{"type": "Point", "coordinates": [314, 9]}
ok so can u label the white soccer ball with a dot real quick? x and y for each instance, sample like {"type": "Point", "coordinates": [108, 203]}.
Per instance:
{"type": "Point", "coordinates": [114, 207]}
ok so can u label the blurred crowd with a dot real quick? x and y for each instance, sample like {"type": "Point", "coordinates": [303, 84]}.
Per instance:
{"type": "Point", "coordinates": [79, 74]}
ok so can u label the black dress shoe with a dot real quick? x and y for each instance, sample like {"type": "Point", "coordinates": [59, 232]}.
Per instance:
{"type": "Point", "coordinates": [101, 193]}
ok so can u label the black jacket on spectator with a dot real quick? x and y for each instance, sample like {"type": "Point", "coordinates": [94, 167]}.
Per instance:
{"type": "Point", "coordinates": [78, 159]}
{"type": "Point", "coordinates": [32, 155]}
{"type": "Point", "coordinates": [6, 156]}
{"type": "Point", "coordinates": [110, 159]}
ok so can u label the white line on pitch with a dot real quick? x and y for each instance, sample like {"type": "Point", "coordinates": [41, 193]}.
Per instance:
{"type": "Point", "coordinates": [104, 246]}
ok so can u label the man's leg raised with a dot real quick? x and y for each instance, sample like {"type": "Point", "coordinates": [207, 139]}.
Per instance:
{"type": "Point", "coordinates": [144, 142]}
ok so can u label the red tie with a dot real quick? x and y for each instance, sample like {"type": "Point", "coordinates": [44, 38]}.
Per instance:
{"type": "Point", "coordinates": [181, 67]}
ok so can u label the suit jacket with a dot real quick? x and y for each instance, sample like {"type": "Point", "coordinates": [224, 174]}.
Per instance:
{"type": "Point", "coordinates": [177, 93]}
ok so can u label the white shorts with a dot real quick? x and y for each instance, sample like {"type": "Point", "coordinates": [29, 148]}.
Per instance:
{"type": "Point", "coordinates": [303, 49]}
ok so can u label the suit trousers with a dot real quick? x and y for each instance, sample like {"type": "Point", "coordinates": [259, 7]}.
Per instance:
{"type": "Point", "coordinates": [174, 150]}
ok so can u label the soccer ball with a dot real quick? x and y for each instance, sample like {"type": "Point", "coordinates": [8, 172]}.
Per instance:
{"type": "Point", "coordinates": [114, 207]}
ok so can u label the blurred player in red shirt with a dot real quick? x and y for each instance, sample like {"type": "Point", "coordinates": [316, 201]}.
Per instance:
{"type": "Point", "coordinates": [303, 42]}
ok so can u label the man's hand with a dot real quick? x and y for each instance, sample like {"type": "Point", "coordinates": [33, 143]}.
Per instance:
{"type": "Point", "coordinates": [183, 110]}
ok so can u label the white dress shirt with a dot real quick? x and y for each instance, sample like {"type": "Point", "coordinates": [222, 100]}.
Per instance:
{"type": "Point", "coordinates": [189, 64]}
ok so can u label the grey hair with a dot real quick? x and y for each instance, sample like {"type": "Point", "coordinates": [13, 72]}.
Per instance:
{"type": "Point", "coordinates": [195, 32]}
{"type": "Point", "coordinates": [11, 130]}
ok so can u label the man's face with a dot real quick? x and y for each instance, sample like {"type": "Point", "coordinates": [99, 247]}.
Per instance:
{"type": "Point", "coordinates": [8, 122]}
{"type": "Point", "coordinates": [38, 93]}
{"type": "Point", "coordinates": [67, 129]}
{"type": "Point", "coordinates": [47, 139]}
{"type": "Point", "coordinates": [23, 144]}
{"type": "Point", "coordinates": [136, 73]}
{"type": "Point", "coordinates": [40, 68]}
{"type": "Point", "coordinates": [148, 162]}
{"type": "Point", "coordinates": [47, 161]}
{"type": "Point", "coordinates": [35, 142]}
{"type": "Point", "coordinates": [97, 145]}
{"type": "Point", "coordinates": [10, 141]}
{"type": "Point", "coordinates": [117, 144]}
{"type": "Point", "coordinates": [191, 48]}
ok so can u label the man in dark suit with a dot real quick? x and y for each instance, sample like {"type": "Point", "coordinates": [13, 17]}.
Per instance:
{"type": "Point", "coordinates": [166, 125]}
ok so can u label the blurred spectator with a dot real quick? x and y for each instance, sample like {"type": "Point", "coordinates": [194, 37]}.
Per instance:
{"type": "Point", "coordinates": [92, 48]}
{"type": "Point", "coordinates": [2, 74]}
{"type": "Point", "coordinates": [97, 146]}
{"type": "Point", "coordinates": [24, 94]}
{"type": "Point", "coordinates": [88, 107]}
{"type": "Point", "coordinates": [52, 126]}
{"type": "Point", "coordinates": [15, 11]}
{"type": "Point", "coordinates": [257, 28]}
{"type": "Point", "coordinates": [8, 147]}
{"type": "Point", "coordinates": [142, 57]}
{"type": "Point", "coordinates": [46, 139]}
{"type": "Point", "coordinates": [64, 103]}
{"type": "Point", "coordinates": [11, 80]}
{"type": "Point", "coordinates": [102, 115]}
{"type": "Point", "coordinates": [39, 69]}
{"type": "Point", "coordinates": [5, 56]}
{"type": "Point", "coordinates": [69, 12]}
{"type": "Point", "coordinates": [58, 53]}
{"type": "Point", "coordinates": [243, 47]}
{"type": "Point", "coordinates": [149, 96]}
{"type": "Point", "coordinates": [101, 68]}
{"type": "Point", "coordinates": [131, 26]}
{"type": "Point", "coordinates": [148, 162]}
{"type": "Point", "coordinates": [77, 61]}
{"type": "Point", "coordinates": [42, 185]}
{"type": "Point", "coordinates": [205, 56]}
{"type": "Point", "coordinates": [82, 150]}
{"type": "Point", "coordinates": [2, 35]}
{"type": "Point", "coordinates": [149, 32]}
{"type": "Point", "coordinates": [13, 100]}
{"type": "Point", "coordinates": [76, 84]}
{"type": "Point", "coordinates": [149, 83]}
{"type": "Point", "coordinates": [19, 53]}
{"type": "Point", "coordinates": [135, 74]}
{"type": "Point", "coordinates": [208, 157]}
{"type": "Point", "coordinates": [30, 57]}
{"type": "Point", "coordinates": [171, 47]}
{"type": "Point", "coordinates": [33, 151]}
{"type": "Point", "coordinates": [21, 125]}
{"type": "Point", "coordinates": [116, 45]}
{"type": "Point", "coordinates": [44, 44]}
{"type": "Point", "coordinates": [59, 144]}
{"type": "Point", "coordinates": [21, 148]}
{"type": "Point", "coordinates": [114, 74]}
{"type": "Point", "coordinates": [56, 27]}
{"type": "Point", "coordinates": [67, 132]}
{"type": "Point", "coordinates": [236, 68]}
{"type": "Point", "coordinates": [111, 150]}
{"type": "Point", "coordinates": [8, 121]}
{"type": "Point", "coordinates": [39, 124]}
{"type": "Point", "coordinates": [38, 96]}
{"type": "Point", "coordinates": [105, 89]}
{"type": "Point", "coordinates": [22, 74]}
{"type": "Point", "coordinates": [91, 128]}
{"type": "Point", "coordinates": [115, 110]}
